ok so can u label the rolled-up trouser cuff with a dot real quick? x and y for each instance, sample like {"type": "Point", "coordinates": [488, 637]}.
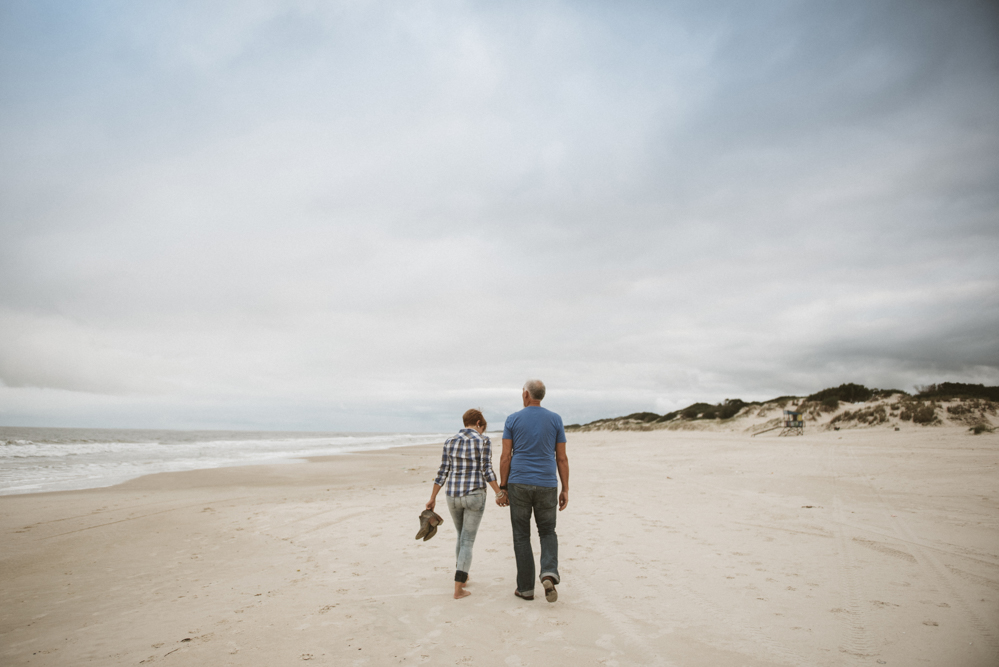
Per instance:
{"type": "Point", "coordinates": [553, 575]}
{"type": "Point", "coordinates": [460, 577]}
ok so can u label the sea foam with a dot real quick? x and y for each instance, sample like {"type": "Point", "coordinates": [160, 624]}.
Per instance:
{"type": "Point", "coordinates": [48, 459]}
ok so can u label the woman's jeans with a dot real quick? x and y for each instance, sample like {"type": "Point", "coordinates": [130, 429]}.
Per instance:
{"type": "Point", "coordinates": [466, 512]}
{"type": "Point", "coordinates": [543, 501]}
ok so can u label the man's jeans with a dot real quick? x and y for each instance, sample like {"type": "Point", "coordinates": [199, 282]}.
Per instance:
{"type": "Point", "coordinates": [543, 501]}
{"type": "Point", "coordinates": [466, 512]}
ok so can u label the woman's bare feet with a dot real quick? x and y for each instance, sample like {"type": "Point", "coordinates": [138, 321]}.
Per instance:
{"type": "Point", "coordinates": [459, 591]}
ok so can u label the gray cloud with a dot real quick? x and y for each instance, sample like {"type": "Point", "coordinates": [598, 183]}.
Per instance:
{"type": "Point", "coordinates": [368, 217]}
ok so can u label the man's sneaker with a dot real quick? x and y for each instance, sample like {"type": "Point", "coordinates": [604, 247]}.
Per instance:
{"type": "Point", "coordinates": [550, 593]}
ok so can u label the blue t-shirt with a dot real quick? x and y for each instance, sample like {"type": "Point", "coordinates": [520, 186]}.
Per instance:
{"type": "Point", "coordinates": [535, 431]}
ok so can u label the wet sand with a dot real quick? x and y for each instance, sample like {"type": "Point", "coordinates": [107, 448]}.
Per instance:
{"type": "Point", "coordinates": [857, 547]}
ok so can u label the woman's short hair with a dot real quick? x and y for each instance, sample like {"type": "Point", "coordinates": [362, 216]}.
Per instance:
{"type": "Point", "coordinates": [473, 417]}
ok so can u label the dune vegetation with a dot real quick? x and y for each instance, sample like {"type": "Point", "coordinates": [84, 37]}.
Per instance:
{"type": "Point", "coordinates": [849, 405]}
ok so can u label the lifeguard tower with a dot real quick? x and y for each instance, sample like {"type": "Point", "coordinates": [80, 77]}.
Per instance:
{"type": "Point", "coordinates": [793, 423]}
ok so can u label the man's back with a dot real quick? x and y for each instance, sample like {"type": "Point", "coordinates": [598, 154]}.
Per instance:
{"type": "Point", "coordinates": [534, 431]}
{"type": "Point", "coordinates": [533, 453]}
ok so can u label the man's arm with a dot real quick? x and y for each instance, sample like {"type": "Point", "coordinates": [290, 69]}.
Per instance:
{"type": "Point", "coordinates": [562, 461]}
{"type": "Point", "coordinates": [505, 459]}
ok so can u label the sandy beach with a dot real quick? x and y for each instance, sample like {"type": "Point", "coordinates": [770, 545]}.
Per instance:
{"type": "Point", "coordinates": [857, 547]}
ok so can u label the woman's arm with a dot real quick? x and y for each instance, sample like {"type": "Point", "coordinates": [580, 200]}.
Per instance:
{"type": "Point", "coordinates": [501, 497]}
{"type": "Point", "coordinates": [442, 474]}
{"type": "Point", "coordinates": [488, 474]}
{"type": "Point", "coordinates": [433, 497]}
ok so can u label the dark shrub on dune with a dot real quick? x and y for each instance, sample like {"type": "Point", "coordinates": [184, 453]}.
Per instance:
{"type": "Point", "coordinates": [849, 393]}
{"type": "Point", "coordinates": [726, 410]}
{"type": "Point", "coordinates": [782, 400]}
{"type": "Point", "coordinates": [731, 408]}
{"type": "Point", "coordinates": [699, 411]}
{"type": "Point", "coordinates": [886, 393]}
{"type": "Point", "coordinates": [669, 416]}
{"type": "Point", "coordinates": [642, 416]}
{"type": "Point", "coordinates": [872, 416]}
{"type": "Point", "coordinates": [949, 390]}
{"type": "Point", "coordinates": [924, 415]}
{"type": "Point", "coordinates": [919, 413]}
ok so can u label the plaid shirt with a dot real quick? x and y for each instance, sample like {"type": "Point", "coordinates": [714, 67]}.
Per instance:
{"type": "Point", "coordinates": [466, 463]}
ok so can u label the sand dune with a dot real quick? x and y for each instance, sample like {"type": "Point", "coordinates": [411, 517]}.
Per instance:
{"type": "Point", "coordinates": [895, 411]}
{"type": "Point", "coordinates": [678, 548]}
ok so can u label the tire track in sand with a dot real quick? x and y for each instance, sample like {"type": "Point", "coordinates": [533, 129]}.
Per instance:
{"type": "Point", "coordinates": [776, 650]}
{"type": "Point", "coordinates": [621, 623]}
{"type": "Point", "coordinates": [134, 518]}
{"type": "Point", "coordinates": [931, 565]}
{"type": "Point", "coordinates": [856, 640]}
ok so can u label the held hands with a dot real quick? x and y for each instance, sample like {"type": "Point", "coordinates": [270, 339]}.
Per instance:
{"type": "Point", "coordinates": [502, 499]}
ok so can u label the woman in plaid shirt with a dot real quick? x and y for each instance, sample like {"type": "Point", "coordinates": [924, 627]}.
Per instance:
{"type": "Point", "coordinates": [466, 465]}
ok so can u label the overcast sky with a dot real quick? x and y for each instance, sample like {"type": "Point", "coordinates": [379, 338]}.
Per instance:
{"type": "Point", "coordinates": [371, 216]}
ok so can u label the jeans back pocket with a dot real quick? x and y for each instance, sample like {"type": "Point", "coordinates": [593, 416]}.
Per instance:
{"type": "Point", "coordinates": [477, 500]}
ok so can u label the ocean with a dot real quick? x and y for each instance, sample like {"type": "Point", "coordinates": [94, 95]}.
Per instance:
{"type": "Point", "coordinates": [59, 459]}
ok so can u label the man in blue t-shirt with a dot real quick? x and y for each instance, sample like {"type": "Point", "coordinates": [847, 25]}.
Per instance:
{"type": "Point", "coordinates": [533, 451]}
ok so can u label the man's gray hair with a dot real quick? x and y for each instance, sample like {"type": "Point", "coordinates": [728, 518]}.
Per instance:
{"type": "Point", "coordinates": [536, 388]}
